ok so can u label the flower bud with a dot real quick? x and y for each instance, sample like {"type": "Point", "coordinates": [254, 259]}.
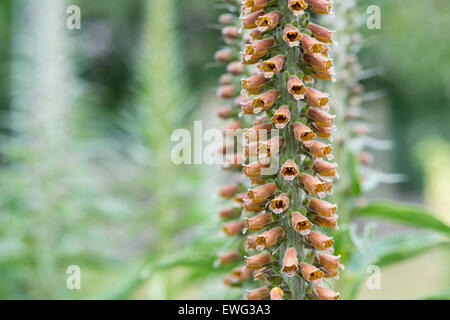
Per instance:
{"type": "Point", "coordinates": [226, 258]}
{"type": "Point", "coordinates": [319, 240]}
{"type": "Point", "coordinates": [316, 98]}
{"type": "Point", "coordinates": [249, 21]}
{"type": "Point", "coordinates": [281, 117]}
{"type": "Point", "coordinates": [269, 238]}
{"type": "Point", "coordinates": [268, 21]}
{"type": "Point", "coordinates": [232, 228]}
{"type": "Point", "coordinates": [291, 35]}
{"type": "Point", "coordinates": [228, 191]}
{"type": "Point", "coordinates": [235, 68]}
{"type": "Point", "coordinates": [290, 262]}
{"type": "Point", "coordinates": [325, 294]}
{"type": "Point", "coordinates": [258, 261]}
{"type": "Point", "coordinates": [317, 149]}
{"type": "Point", "coordinates": [226, 19]}
{"type": "Point", "coordinates": [226, 91]}
{"type": "Point", "coordinates": [231, 32]}
{"type": "Point", "coordinates": [258, 222]}
{"type": "Point", "coordinates": [258, 294]}
{"type": "Point", "coordinates": [272, 65]}
{"type": "Point", "coordinates": [297, 6]}
{"type": "Point", "coordinates": [296, 88]}
{"type": "Point", "coordinates": [322, 34]}
{"type": "Point", "coordinates": [310, 273]}
{"type": "Point", "coordinates": [318, 63]}
{"type": "Point", "coordinates": [223, 55]}
{"type": "Point", "coordinates": [300, 223]}
{"type": "Point", "coordinates": [322, 207]}
{"type": "Point", "coordinates": [311, 184]}
{"type": "Point", "coordinates": [289, 170]}
{"type": "Point", "coordinates": [227, 213]}
{"type": "Point", "coordinates": [230, 130]}
{"type": "Point", "coordinates": [225, 79]}
{"type": "Point", "coordinates": [320, 6]}
{"type": "Point", "coordinates": [325, 168]}
{"type": "Point", "coordinates": [302, 133]}
{"type": "Point", "coordinates": [224, 112]}
{"type": "Point", "coordinates": [276, 293]}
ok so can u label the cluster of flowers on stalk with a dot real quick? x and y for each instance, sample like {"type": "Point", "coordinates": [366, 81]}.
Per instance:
{"type": "Point", "coordinates": [281, 220]}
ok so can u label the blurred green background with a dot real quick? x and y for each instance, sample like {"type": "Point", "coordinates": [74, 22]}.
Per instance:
{"type": "Point", "coordinates": [86, 118]}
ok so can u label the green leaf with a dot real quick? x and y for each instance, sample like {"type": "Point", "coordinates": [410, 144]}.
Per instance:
{"type": "Point", "coordinates": [399, 247]}
{"type": "Point", "coordinates": [354, 174]}
{"type": "Point", "coordinates": [390, 250]}
{"type": "Point", "coordinates": [402, 213]}
{"type": "Point", "coordinates": [445, 295]}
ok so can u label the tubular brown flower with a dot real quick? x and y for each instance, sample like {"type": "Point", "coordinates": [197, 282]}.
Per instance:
{"type": "Point", "coordinates": [276, 293]}
{"type": "Point", "coordinates": [249, 21]}
{"type": "Point", "coordinates": [290, 262]}
{"type": "Point", "coordinates": [325, 294]}
{"type": "Point", "coordinates": [258, 294]}
{"type": "Point", "coordinates": [322, 34]}
{"type": "Point", "coordinates": [297, 6]}
{"type": "Point", "coordinates": [258, 261]}
{"type": "Point", "coordinates": [296, 87]}
{"type": "Point", "coordinates": [291, 35]}
{"type": "Point", "coordinates": [321, 207]}
{"type": "Point", "coordinates": [268, 21]}
{"type": "Point", "coordinates": [289, 170]}
{"type": "Point", "coordinates": [232, 228]}
{"type": "Point", "coordinates": [300, 223]}
{"type": "Point", "coordinates": [281, 117]}
{"type": "Point", "coordinates": [269, 238]}
{"type": "Point", "coordinates": [272, 65]}
{"type": "Point", "coordinates": [280, 204]}
{"type": "Point", "coordinates": [319, 240]}
{"type": "Point", "coordinates": [302, 132]}
{"type": "Point", "coordinates": [228, 257]}
{"type": "Point", "coordinates": [258, 222]}
{"type": "Point", "coordinates": [310, 273]}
